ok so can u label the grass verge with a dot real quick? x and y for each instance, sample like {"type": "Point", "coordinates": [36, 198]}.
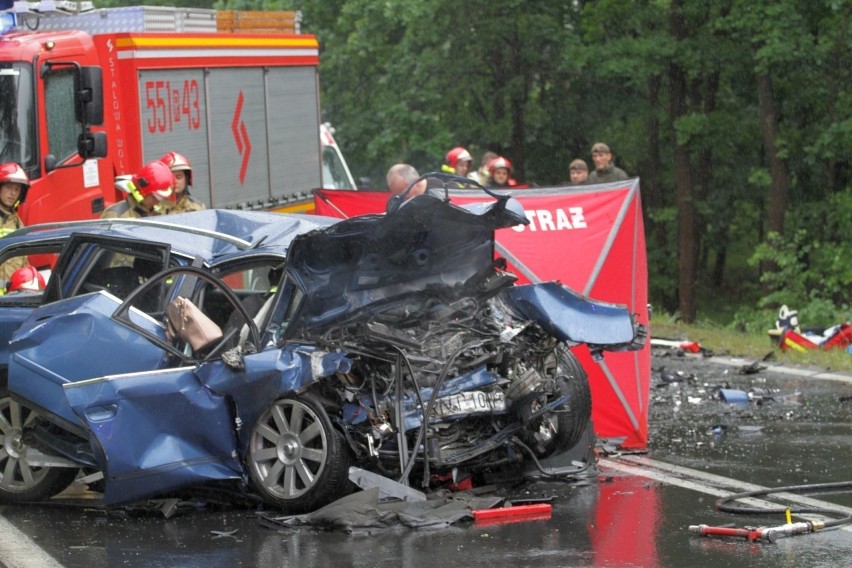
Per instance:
{"type": "Point", "coordinates": [722, 341]}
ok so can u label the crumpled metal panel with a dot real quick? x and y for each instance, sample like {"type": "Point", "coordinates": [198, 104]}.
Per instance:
{"type": "Point", "coordinates": [156, 432]}
{"type": "Point", "coordinates": [569, 316]}
{"type": "Point", "coordinates": [268, 376]}
{"type": "Point", "coordinates": [70, 341]}
{"type": "Point", "coordinates": [429, 246]}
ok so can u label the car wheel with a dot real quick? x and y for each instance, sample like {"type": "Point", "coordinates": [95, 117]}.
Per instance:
{"type": "Point", "coordinates": [561, 430]}
{"type": "Point", "coordinates": [22, 477]}
{"type": "Point", "coordinates": [297, 460]}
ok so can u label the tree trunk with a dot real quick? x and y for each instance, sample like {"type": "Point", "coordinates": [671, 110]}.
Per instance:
{"type": "Point", "coordinates": [683, 178]}
{"type": "Point", "coordinates": [653, 194]}
{"type": "Point", "coordinates": [837, 67]}
{"type": "Point", "coordinates": [779, 186]}
{"type": "Point", "coordinates": [518, 136]}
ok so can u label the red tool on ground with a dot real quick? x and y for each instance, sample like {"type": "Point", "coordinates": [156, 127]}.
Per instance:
{"type": "Point", "coordinates": [515, 514]}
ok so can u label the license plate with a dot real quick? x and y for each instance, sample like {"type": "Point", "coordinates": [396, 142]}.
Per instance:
{"type": "Point", "coordinates": [469, 402]}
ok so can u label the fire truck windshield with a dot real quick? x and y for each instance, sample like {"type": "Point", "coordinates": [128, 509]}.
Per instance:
{"type": "Point", "coordinates": [17, 115]}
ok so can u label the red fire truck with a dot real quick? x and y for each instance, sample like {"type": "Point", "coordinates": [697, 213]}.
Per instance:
{"type": "Point", "coordinates": [87, 96]}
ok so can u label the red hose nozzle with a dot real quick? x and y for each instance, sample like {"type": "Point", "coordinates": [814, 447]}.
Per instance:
{"type": "Point", "coordinates": [769, 534]}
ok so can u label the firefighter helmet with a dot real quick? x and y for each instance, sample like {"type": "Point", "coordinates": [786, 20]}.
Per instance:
{"type": "Point", "coordinates": [13, 173]}
{"type": "Point", "coordinates": [178, 162]}
{"type": "Point", "coordinates": [155, 178]}
{"type": "Point", "coordinates": [499, 162]}
{"type": "Point", "coordinates": [456, 155]}
{"type": "Point", "coordinates": [26, 278]}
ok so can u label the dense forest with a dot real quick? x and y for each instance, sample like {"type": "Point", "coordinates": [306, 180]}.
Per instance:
{"type": "Point", "coordinates": [735, 114]}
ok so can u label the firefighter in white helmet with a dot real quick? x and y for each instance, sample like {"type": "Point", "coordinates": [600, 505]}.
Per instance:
{"type": "Point", "coordinates": [14, 184]}
{"type": "Point", "coordinates": [182, 170]}
{"type": "Point", "coordinates": [457, 161]}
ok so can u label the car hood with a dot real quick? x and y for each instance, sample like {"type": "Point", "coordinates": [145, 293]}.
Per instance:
{"type": "Point", "coordinates": [427, 247]}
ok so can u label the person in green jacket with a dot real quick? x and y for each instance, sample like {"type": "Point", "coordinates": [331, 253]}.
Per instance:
{"type": "Point", "coordinates": [605, 170]}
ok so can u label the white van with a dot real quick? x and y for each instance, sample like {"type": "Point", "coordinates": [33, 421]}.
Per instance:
{"type": "Point", "coordinates": [335, 171]}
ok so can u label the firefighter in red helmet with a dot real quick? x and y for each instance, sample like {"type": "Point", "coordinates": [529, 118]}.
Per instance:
{"type": "Point", "coordinates": [182, 170]}
{"type": "Point", "coordinates": [146, 188]}
{"type": "Point", "coordinates": [26, 279]}
{"type": "Point", "coordinates": [458, 161]}
{"type": "Point", "coordinates": [14, 184]}
{"type": "Point", "coordinates": [500, 173]}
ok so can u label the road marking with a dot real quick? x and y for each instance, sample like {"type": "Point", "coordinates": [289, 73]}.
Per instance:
{"type": "Point", "coordinates": [17, 550]}
{"type": "Point", "coordinates": [808, 373]}
{"type": "Point", "coordinates": [691, 479]}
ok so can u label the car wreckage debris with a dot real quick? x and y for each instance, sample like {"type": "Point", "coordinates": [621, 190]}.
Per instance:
{"type": "Point", "coordinates": [392, 343]}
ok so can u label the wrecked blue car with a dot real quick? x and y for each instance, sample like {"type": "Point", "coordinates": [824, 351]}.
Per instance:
{"type": "Point", "coordinates": [395, 343]}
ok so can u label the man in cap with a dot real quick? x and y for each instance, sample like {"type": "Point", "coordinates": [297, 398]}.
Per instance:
{"type": "Point", "coordinates": [579, 172]}
{"type": "Point", "coordinates": [605, 171]}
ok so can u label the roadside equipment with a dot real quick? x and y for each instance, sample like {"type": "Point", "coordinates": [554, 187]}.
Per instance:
{"type": "Point", "coordinates": [771, 534]}
{"type": "Point", "coordinates": [788, 335]}
{"type": "Point", "coordinates": [768, 534]}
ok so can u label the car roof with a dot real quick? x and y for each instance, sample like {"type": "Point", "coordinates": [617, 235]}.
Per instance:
{"type": "Point", "coordinates": [209, 234]}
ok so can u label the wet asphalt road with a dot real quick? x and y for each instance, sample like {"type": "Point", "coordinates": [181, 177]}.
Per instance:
{"type": "Point", "coordinates": [634, 511]}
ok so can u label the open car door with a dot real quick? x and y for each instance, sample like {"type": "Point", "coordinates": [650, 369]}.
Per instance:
{"type": "Point", "coordinates": [116, 264]}
{"type": "Point", "coordinates": [160, 430]}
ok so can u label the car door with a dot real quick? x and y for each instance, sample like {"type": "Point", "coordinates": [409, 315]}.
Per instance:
{"type": "Point", "coordinates": [76, 264]}
{"type": "Point", "coordinates": [16, 306]}
{"type": "Point", "coordinates": [158, 430]}
{"type": "Point", "coordinates": [115, 264]}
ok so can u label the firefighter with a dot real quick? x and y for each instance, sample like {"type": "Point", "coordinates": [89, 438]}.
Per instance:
{"type": "Point", "coordinates": [14, 185]}
{"type": "Point", "coordinates": [182, 170]}
{"type": "Point", "coordinates": [26, 279]}
{"type": "Point", "coordinates": [500, 173]}
{"type": "Point", "coordinates": [481, 175]}
{"type": "Point", "coordinates": [147, 188]}
{"type": "Point", "coordinates": [458, 161]}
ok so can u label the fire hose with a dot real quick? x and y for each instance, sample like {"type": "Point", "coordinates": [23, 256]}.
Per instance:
{"type": "Point", "coordinates": [771, 534]}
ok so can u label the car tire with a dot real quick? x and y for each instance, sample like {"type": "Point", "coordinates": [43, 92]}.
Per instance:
{"type": "Point", "coordinates": [296, 460]}
{"type": "Point", "coordinates": [561, 430]}
{"type": "Point", "coordinates": [21, 481]}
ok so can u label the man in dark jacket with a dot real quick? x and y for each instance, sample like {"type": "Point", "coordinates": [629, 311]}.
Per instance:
{"type": "Point", "coordinates": [605, 171]}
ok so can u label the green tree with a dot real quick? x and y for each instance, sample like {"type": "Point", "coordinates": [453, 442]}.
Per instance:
{"type": "Point", "coordinates": [734, 114]}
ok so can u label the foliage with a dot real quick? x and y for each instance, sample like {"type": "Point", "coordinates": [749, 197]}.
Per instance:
{"type": "Point", "coordinates": [541, 81]}
{"type": "Point", "coordinates": [814, 273]}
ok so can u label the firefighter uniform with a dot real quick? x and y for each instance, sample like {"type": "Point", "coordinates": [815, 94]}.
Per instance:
{"type": "Point", "coordinates": [11, 222]}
